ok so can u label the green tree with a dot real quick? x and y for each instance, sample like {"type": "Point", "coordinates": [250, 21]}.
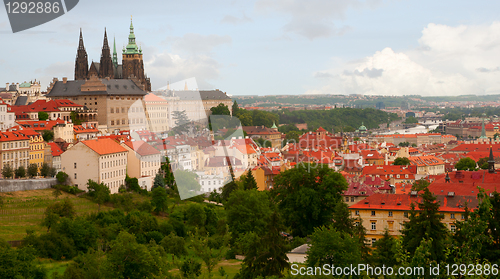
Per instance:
{"type": "Point", "coordinates": [159, 200]}
{"type": "Point", "coordinates": [7, 171]}
{"type": "Point", "coordinates": [62, 177]}
{"type": "Point", "coordinates": [385, 250]}
{"type": "Point", "coordinates": [57, 210]}
{"type": "Point", "coordinates": [404, 144]}
{"type": "Point", "coordinates": [250, 182]}
{"type": "Point", "coordinates": [466, 164]}
{"type": "Point", "coordinates": [45, 170]}
{"type": "Point", "coordinates": [48, 135]}
{"type": "Point", "coordinates": [181, 121]}
{"type": "Point", "coordinates": [128, 259]}
{"type": "Point", "coordinates": [190, 268]}
{"type": "Point", "coordinates": [483, 163]}
{"type": "Point", "coordinates": [227, 189]}
{"type": "Point", "coordinates": [247, 211]}
{"type": "Point", "coordinates": [57, 192]}
{"type": "Point", "coordinates": [42, 116]}
{"type": "Point", "coordinates": [401, 161]}
{"type": "Point", "coordinates": [329, 246]}
{"type": "Point", "coordinates": [307, 195]}
{"type": "Point", "coordinates": [167, 173]}
{"type": "Point", "coordinates": [32, 170]}
{"type": "Point", "coordinates": [235, 108]}
{"type": "Point", "coordinates": [195, 215]}
{"type": "Point", "coordinates": [98, 192]}
{"type": "Point", "coordinates": [75, 119]}
{"type": "Point", "coordinates": [20, 172]}
{"type": "Point", "coordinates": [426, 222]}
{"type": "Point", "coordinates": [411, 120]}
{"type": "Point", "coordinates": [209, 255]}
{"type": "Point", "coordinates": [89, 265]}
{"type": "Point", "coordinates": [174, 245]}
{"type": "Point", "coordinates": [159, 181]}
{"type": "Point", "coordinates": [266, 253]}
{"type": "Point", "coordinates": [19, 263]}
{"type": "Point", "coordinates": [220, 109]}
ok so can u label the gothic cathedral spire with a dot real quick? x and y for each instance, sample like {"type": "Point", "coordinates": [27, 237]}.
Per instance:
{"type": "Point", "coordinates": [81, 63]}
{"type": "Point", "coordinates": [106, 68]}
{"type": "Point", "coordinates": [115, 56]}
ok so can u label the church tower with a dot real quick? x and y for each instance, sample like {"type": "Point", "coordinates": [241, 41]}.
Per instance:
{"type": "Point", "coordinates": [106, 68]}
{"type": "Point", "coordinates": [133, 66]}
{"type": "Point", "coordinates": [81, 63]}
{"type": "Point", "coordinates": [115, 56]}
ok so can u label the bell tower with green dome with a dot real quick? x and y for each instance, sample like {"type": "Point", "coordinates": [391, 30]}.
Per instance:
{"type": "Point", "coordinates": [132, 63]}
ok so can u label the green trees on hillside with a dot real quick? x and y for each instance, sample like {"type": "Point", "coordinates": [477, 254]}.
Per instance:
{"type": "Point", "coordinates": [306, 196]}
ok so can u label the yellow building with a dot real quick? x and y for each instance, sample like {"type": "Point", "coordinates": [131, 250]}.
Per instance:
{"type": "Point", "coordinates": [37, 147]}
{"type": "Point", "coordinates": [380, 211]}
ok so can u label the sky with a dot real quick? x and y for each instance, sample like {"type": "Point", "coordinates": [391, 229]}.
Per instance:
{"type": "Point", "coordinates": [277, 47]}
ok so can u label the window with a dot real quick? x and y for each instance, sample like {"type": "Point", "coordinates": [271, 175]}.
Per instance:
{"type": "Point", "coordinates": [352, 199]}
{"type": "Point", "coordinates": [373, 241]}
{"type": "Point", "coordinates": [390, 213]}
{"type": "Point", "coordinates": [347, 199]}
{"type": "Point", "coordinates": [406, 214]}
{"type": "Point", "coordinates": [75, 167]}
{"type": "Point", "coordinates": [356, 212]}
{"type": "Point", "coordinates": [112, 110]}
{"type": "Point", "coordinates": [373, 212]}
{"type": "Point", "coordinates": [75, 175]}
{"type": "Point", "coordinates": [374, 225]}
{"type": "Point", "coordinates": [453, 228]}
{"type": "Point", "coordinates": [452, 215]}
{"type": "Point", "coordinates": [462, 216]}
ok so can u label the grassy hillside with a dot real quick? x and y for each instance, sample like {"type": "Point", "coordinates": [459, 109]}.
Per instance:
{"type": "Point", "coordinates": [24, 210]}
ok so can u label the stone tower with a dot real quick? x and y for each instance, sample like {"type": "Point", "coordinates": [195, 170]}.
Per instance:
{"type": "Point", "coordinates": [81, 63]}
{"type": "Point", "coordinates": [106, 68]}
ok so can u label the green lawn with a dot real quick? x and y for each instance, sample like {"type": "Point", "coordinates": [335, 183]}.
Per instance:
{"type": "Point", "coordinates": [52, 266]}
{"type": "Point", "coordinates": [24, 210]}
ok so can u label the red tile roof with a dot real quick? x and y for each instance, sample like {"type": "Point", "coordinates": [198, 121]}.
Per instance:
{"type": "Point", "coordinates": [104, 146]}
{"type": "Point", "coordinates": [12, 136]}
{"type": "Point", "coordinates": [56, 150]}
{"type": "Point", "coordinates": [404, 201]}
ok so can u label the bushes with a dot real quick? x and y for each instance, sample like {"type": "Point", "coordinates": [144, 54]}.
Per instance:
{"type": "Point", "coordinates": [62, 177]}
{"type": "Point", "coordinates": [68, 189]}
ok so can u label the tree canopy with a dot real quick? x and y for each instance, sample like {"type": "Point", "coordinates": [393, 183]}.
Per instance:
{"type": "Point", "coordinates": [307, 195]}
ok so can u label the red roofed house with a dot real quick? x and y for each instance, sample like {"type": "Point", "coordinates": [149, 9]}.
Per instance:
{"type": "Point", "coordinates": [143, 162]}
{"type": "Point", "coordinates": [268, 134]}
{"type": "Point", "coordinates": [320, 139]}
{"type": "Point", "coordinates": [101, 160]}
{"type": "Point", "coordinates": [14, 149]}
{"type": "Point", "coordinates": [395, 174]}
{"type": "Point", "coordinates": [428, 165]}
{"type": "Point", "coordinates": [56, 155]}
{"type": "Point", "coordinates": [85, 132]}
{"type": "Point", "coordinates": [380, 211]}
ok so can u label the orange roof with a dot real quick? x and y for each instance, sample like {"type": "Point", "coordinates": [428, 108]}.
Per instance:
{"type": "Point", "coordinates": [153, 98]}
{"type": "Point", "coordinates": [12, 136]}
{"type": "Point", "coordinates": [104, 146]}
{"type": "Point", "coordinates": [426, 160]}
{"type": "Point", "coordinates": [404, 201]}
{"type": "Point", "coordinates": [56, 150]}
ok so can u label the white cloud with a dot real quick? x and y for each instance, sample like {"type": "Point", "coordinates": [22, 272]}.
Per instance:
{"type": "Point", "coordinates": [314, 18]}
{"type": "Point", "coordinates": [167, 67]}
{"type": "Point", "coordinates": [449, 61]}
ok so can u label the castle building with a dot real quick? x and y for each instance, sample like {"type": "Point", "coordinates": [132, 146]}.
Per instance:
{"type": "Point", "coordinates": [132, 66]}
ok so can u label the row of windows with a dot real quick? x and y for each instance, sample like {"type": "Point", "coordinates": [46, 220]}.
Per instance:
{"type": "Point", "coordinates": [14, 155]}
{"type": "Point", "coordinates": [112, 174]}
{"type": "Point", "coordinates": [113, 163]}
{"type": "Point", "coordinates": [149, 164]}
{"type": "Point", "coordinates": [129, 121]}
{"type": "Point", "coordinates": [5, 145]}
{"type": "Point", "coordinates": [405, 214]}
{"type": "Point", "coordinates": [36, 156]}
{"type": "Point", "coordinates": [214, 182]}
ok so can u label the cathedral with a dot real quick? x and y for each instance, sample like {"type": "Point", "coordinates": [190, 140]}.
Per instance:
{"type": "Point", "coordinates": [132, 66]}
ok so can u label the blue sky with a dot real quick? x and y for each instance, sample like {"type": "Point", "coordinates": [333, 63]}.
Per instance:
{"type": "Point", "coordinates": [271, 47]}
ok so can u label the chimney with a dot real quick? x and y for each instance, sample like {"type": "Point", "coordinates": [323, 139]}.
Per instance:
{"type": "Point", "coordinates": [65, 79]}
